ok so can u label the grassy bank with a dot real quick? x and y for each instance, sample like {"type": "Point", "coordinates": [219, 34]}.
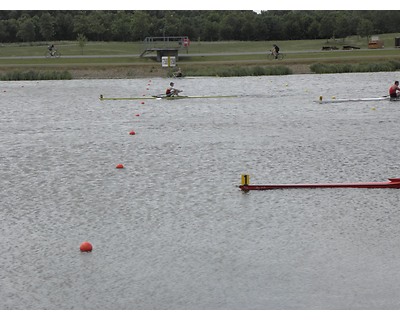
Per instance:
{"type": "Point", "coordinates": [236, 71]}
{"type": "Point", "coordinates": [68, 48]}
{"type": "Point", "coordinates": [36, 75]}
{"type": "Point", "coordinates": [361, 67]}
{"type": "Point", "coordinates": [233, 58]}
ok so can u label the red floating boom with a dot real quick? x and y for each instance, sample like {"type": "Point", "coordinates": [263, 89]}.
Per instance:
{"type": "Point", "coordinates": [392, 183]}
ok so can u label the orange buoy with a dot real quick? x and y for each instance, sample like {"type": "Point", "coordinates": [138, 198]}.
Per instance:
{"type": "Point", "coordinates": [120, 166]}
{"type": "Point", "coordinates": [132, 133]}
{"type": "Point", "coordinates": [86, 247]}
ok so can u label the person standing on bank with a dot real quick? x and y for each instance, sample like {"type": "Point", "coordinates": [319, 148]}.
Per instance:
{"type": "Point", "coordinates": [178, 73]}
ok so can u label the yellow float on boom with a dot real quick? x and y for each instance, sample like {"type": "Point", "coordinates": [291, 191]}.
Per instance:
{"type": "Point", "coordinates": [245, 179]}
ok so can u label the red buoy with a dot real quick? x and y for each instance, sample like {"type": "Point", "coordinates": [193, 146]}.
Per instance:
{"type": "Point", "coordinates": [86, 247]}
{"type": "Point", "coordinates": [120, 166]}
{"type": "Point", "coordinates": [132, 133]}
{"type": "Point", "coordinates": [137, 115]}
{"type": "Point", "coordinates": [142, 102]}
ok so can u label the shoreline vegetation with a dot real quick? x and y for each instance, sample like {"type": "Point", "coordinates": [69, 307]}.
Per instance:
{"type": "Point", "coordinates": [120, 60]}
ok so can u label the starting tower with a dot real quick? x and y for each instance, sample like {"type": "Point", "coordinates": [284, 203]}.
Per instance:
{"type": "Point", "coordinates": [165, 46]}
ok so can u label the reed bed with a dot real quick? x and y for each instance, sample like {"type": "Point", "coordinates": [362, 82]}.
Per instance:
{"type": "Point", "coordinates": [238, 71]}
{"type": "Point", "coordinates": [360, 67]}
{"type": "Point", "coordinates": [35, 75]}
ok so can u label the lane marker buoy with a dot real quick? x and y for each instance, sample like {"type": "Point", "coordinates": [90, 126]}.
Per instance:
{"type": "Point", "coordinates": [86, 247]}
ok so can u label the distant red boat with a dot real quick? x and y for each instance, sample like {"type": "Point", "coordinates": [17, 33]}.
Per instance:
{"type": "Point", "coordinates": [392, 183]}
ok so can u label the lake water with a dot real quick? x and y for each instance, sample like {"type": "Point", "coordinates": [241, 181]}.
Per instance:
{"type": "Point", "coordinates": [172, 230]}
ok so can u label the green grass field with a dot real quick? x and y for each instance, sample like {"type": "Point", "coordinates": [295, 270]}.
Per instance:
{"type": "Point", "coordinates": [108, 55]}
{"type": "Point", "coordinates": [196, 47]}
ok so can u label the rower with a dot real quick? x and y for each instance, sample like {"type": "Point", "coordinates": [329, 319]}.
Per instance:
{"type": "Point", "coordinates": [171, 91]}
{"type": "Point", "coordinates": [178, 73]}
{"type": "Point", "coordinates": [394, 90]}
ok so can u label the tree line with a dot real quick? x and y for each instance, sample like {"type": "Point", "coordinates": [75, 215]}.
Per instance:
{"type": "Point", "coordinates": [204, 25]}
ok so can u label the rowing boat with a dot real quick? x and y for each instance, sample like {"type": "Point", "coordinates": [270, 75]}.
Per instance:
{"type": "Point", "coordinates": [191, 97]}
{"type": "Point", "coordinates": [130, 98]}
{"type": "Point", "coordinates": [333, 100]}
{"type": "Point", "coordinates": [163, 97]}
{"type": "Point", "coordinates": [393, 183]}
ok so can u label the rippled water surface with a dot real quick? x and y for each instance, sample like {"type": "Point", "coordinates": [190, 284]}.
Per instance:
{"type": "Point", "coordinates": [172, 230]}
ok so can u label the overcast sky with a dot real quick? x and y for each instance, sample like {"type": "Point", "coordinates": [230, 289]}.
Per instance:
{"type": "Point", "coordinates": [256, 5]}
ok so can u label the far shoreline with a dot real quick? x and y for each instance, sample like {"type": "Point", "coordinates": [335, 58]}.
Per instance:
{"type": "Point", "coordinates": [126, 71]}
{"type": "Point", "coordinates": [138, 72]}
{"type": "Point", "coordinates": [247, 68]}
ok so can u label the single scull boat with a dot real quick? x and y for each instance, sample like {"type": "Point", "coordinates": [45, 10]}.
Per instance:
{"type": "Point", "coordinates": [393, 183]}
{"type": "Point", "coordinates": [333, 100]}
{"type": "Point", "coordinates": [163, 97]}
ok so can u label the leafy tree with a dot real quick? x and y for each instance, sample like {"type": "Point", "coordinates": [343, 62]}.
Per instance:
{"type": "Point", "coordinates": [292, 27]}
{"type": "Point", "coordinates": [365, 28]}
{"type": "Point", "coordinates": [81, 23]}
{"type": "Point", "coordinates": [120, 27]}
{"type": "Point", "coordinates": [273, 24]}
{"type": "Point", "coordinates": [313, 29]}
{"type": "Point", "coordinates": [11, 26]}
{"type": "Point", "coordinates": [97, 25]}
{"type": "Point", "coordinates": [64, 25]}
{"type": "Point", "coordinates": [209, 31]}
{"type": "Point", "coordinates": [342, 26]}
{"type": "Point", "coordinates": [140, 25]}
{"type": "Point", "coordinates": [26, 31]}
{"type": "Point", "coordinates": [170, 23]}
{"type": "Point", "coordinates": [191, 25]}
{"type": "Point", "coordinates": [46, 26]}
{"type": "Point", "coordinates": [81, 41]}
{"type": "Point", "coordinates": [247, 31]}
{"type": "Point", "coordinates": [209, 25]}
{"type": "Point", "coordinates": [384, 21]}
{"type": "Point", "coordinates": [226, 31]}
{"type": "Point", "coordinates": [3, 31]}
{"type": "Point", "coordinates": [327, 25]}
